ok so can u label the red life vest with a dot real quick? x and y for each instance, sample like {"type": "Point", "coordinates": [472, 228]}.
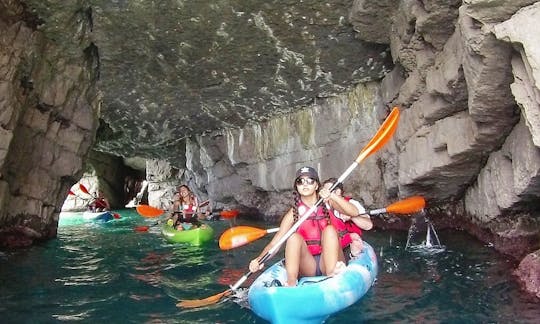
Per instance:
{"type": "Point", "coordinates": [189, 209]}
{"type": "Point", "coordinates": [100, 203]}
{"type": "Point", "coordinates": [345, 229]}
{"type": "Point", "coordinates": [311, 229]}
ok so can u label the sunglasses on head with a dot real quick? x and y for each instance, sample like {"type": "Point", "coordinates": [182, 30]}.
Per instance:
{"type": "Point", "coordinates": [304, 181]}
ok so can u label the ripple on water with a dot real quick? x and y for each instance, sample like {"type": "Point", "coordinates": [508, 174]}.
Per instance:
{"type": "Point", "coordinates": [112, 274]}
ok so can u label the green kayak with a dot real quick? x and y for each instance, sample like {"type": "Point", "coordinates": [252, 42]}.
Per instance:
{"type": "Point", "coordinates": [196, 236]}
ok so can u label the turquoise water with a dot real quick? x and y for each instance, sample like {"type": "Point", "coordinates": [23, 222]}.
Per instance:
{"type": "Point", "coordinates": [96, 273]}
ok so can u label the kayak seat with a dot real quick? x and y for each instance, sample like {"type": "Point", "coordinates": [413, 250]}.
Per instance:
{"type": "Point", "coordinates": [311, 280]}
{"type": "Point", "coordinates": [273, 283]}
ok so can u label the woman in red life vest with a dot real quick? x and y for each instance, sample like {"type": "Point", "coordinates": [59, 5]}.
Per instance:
{"type": "Point", "coordinates": [185, 209]}
{"type": "Point", "coordinates": [100, 203]}
{"type": "Point", "coordinates": [314, 249]}
{"type": "Point", "coordinates": [350, 226]}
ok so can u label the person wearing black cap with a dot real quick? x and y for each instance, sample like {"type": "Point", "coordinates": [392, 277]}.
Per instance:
{"type": "Point", "coordinates": [314, 249]}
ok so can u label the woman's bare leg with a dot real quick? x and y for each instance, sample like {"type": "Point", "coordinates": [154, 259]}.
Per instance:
{"type": "Point", "coordinates": [298, 259]}
{"type": "Point", "coordinates": [331, 251]}
{"type": "Point", "coordinates": [356, 244]}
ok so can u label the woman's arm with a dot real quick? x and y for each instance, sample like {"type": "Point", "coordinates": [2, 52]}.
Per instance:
{"type": "Point", "coordinates": [338, 203]}
{"type": "Point", "coordinates": [284, 226]}
{"type": "Point", "coordinates": [361, 219]}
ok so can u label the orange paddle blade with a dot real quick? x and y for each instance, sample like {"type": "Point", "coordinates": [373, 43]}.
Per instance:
{"type": "Point", "coordinates": [83, 189]}
{"type": "Point", "coordinates": [383, 135]}
{"type": "Point", "coordinates": [229, 213]}
{"type": "Point", "coordinates": [407, 206]}
{"type": "Point", "coordinates": [141, 228]}
{"type": "Point", "coordinates": [149, 211]}
{"type": "Point", "coordinates": [239, 235]}
{"type": "Point", "coordinates": [203, 302]}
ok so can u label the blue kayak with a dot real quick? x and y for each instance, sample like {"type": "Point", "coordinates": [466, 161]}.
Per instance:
{"type": "Point", "coordinates": [314, 298]}
{"type": "Point", "coordinates": [100, 217]}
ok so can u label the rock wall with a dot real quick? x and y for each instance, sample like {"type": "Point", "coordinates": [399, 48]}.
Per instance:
{"type": "Point", "coordinates": [48, 118]}
{"type": "Point", "coordinates": [253, 168]}
{"type": "Point", "coordinates": [467, 77]}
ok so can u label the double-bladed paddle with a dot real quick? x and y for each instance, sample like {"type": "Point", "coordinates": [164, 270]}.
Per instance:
{"type": "Point", "coordinates": [383, 135]}
{"type": "Point", "coordinates": [241, 235]}
{"type": "Point", "coordinates": [228, 214]}
{"type": "Point", "coordinates": [71, 193]}
{"type": "Point", "coordinates": [151, 212]}
{"type": "Point", "coordinates": [83, 189]}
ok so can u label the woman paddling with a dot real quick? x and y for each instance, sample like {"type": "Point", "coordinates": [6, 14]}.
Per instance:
{"type": "Point", "coordinates": [185, 209]}
{"type": "Point", "coordinates": [314, 249]}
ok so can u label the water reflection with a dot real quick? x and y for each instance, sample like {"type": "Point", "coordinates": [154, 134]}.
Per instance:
{"type": "Point", "coordinates": [113, 274]}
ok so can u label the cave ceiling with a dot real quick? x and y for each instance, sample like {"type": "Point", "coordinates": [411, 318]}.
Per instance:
{"type": "Point", "coordinates": [172, 69]}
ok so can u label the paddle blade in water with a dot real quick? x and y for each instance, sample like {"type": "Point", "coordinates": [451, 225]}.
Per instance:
{"type": "Point", "coordinates": [149, 211]}
{"type": "Point", "coordinates": [407, 206]}
{"type": "Point", "coordinates": [203, 302]}
{"type": "Point", "coordinates": [229, 213]}
{"type": "Point", "coordinates": [239, 235]}
{"type": "Point", "coordinates": [141, 228]}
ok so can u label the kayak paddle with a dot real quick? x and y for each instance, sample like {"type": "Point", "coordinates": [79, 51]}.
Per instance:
{"type": "Point", "coordinates": [71, 193]}
{"type": "Point", "coordinates": [149, 211]}
{"type": "Point", "coordinates": [241, 235]}
{"type": "Point", "coordinates": [410, 205]}
{"type": "Point", "coordinates": [141, 228]}
{"type": "Point", "coordinates": [83, 189]}
{"type": "Point", "coordinates": [383, 135]}
{"type": "Point", "coordinates": [228, 214]}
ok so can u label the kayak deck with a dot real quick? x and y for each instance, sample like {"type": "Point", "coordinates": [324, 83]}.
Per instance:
{"type": "Point", "coordinates": [104, 216]}
{"type": "Point", "coordinates": [314, 298]}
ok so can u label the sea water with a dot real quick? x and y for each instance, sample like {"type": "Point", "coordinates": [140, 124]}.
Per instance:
{"type": "Point", "coordinates": [110, 273]}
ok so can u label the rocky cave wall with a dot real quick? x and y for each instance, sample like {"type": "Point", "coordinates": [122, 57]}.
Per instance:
{"type": "Point", "coordinates": [48, 118]}
{"type": "Point", "coordinates": [468, 74]}
{"type": "Point", "coordinates": [252, 168]}
{"type": "Point", "coordinates": [465, 77]}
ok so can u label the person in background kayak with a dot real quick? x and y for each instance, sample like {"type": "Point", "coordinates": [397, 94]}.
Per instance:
{"type": "Point", "coordinates": [100, 203]}
{"type": "Point", "coordinates": [314, 249]}
{"type": "Point", "coordinates": [350, 227]}
{"type": "Point", "coordinates": [184, 209]}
